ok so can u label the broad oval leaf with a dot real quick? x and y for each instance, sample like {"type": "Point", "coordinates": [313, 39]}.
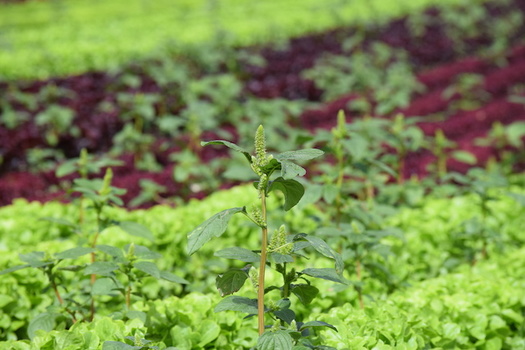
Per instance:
{"type": "Point", "coordinates": [148, 267]}
{"type": "Point", "coordinates": [214, 226]}
{"type": "Point", "coordinates": [74, 253]}
{"type": "Point", "coordinates": [111, 250]}
{"type": "Point", "coordinates": [285, 315]}
{"type": "Point", "coordinates": [305, 293]}
{"type": "Point", "coordinates": [303, 154]}
{"type": "Point", "coordinates": [230, 145]}
{"type": "Point", "coordinates": [231, 281]}
{"type": "Point", "coordinates": [35, 259]}
{"type": "Point", "coordinates": [464, 157]}
{"type": "Point", "coordinates": [238, 253]}
{"type": "Point", "coordinates": [14, 268]}
{"type": "Point", "coordinates": [168, 276]}
{"type": "Point", "coordinates": [103, 268]}
{"type": "Point", "coordinates": [293, 191]}
{"type": "Point", "coordinates": [317, 324]}
{"type": "Point", "coordinates": [290, 170]}
{"type": "Point", "coordinates": [103, 286]}
{"type": "Point", "coordinates": [279, 340]}
{"type": "Point", "coordinates": [136, 229]}
{"type": "Point", "coordinates": [322, 247]}
{"type": "Point", "coordinates": [209, 331]}
{"type": "Point", "coordinates": [116, 345]}
{"type": "Point", "coordinates": [324, 273]}
{"type": "Point", "coordinates": [237, 303]}
{"type": "Point", "coordinates": [45, 321]}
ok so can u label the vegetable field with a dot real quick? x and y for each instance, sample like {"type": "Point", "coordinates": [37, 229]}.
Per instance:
{"type": "Point", "coordinates": [213, 182]}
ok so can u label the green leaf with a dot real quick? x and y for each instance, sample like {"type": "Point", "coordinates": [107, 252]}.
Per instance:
{"type": "Point", "coordinates": [324, 273]}
{"type": "Point", "coordinates": [102, 268]}
{"type": "Point", "coordinates": [515, 134]}
{"type": "Point", "coordinates": [59, 221]}
{"type": "Point", "coordinates": [279, 258]}
{"type": "Point", "coordinates": [103, 286]}
{"type": "Point", "coordinates": [112, 251]}
{"type": "Point", "coordinates": [316, 324]}
{"type": "Point", "coordinates": [357, 146]}
{"type": "Point", "coordinates": [74, 253]}
{"type": "Point", "coordinates": [290, 170]}
{"type": "Point", "coordinates": [45, 321]}
{"type": "Point", "coordinates": [519, 198]}
{"type": "Point", "coordinates": [35, 259]}
{"type": "Point", "coordinates": [279, 340]}
{"type": "Point", "coordinates": [136, 229]}
{"type": "Point", "coordinates": [285, 315]}
{"type": "Point", "coordinates": [14, 268]}
{"type": "Point", "coordinates": [305, 293]}
{"type": "Point", "coordinates": [330, 192]}
{"type": "Point", "coordinates": [209, 331]}
{"type": "Point", "coordinates": [494, 344]}
{"type": "Point", "coordinates": [231, 281]}
{"type": "Point", "coordinates": [214, 226]}
{"type": "Point", "coordinates": [303, 154]}
{"type": "Point", "coordinates": [293, 191]}
{"type": "Point", "coordinates": [464, 157]}
{"type": "Point", "coordinates": [66, 168]}
{"type": "Point", "coordinates": [143, 252]}
{"type": "Point", "coordinates": [323, 248]}
{"type": "Point", "coordinates": [451, 331]}
{"type": "Point", "coordinates": [238, 253]}
{"type": "Point", "coordinates": [230, 145]}
{"type": "Point", "coordinates": [236, 303]}
{"type": "Point", "coordinates": [131, 314]}
{"type": "Point", "coordinates": [148, 267]}
{"type": "Point", "coordinates": [168, 276]}
{"type": "Point", "coordinates": [116, 345]}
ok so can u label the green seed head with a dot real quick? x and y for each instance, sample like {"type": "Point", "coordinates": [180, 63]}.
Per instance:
{"type": "Point", "coordinates": [106, 184]}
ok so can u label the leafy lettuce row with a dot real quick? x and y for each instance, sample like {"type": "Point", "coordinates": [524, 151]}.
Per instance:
{"type": "Point", "coordinates": [428, 250]}
{"type": "Point", "coordinates": [480, 307]}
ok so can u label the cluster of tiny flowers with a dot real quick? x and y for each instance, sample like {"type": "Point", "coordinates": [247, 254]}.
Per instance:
{"type": "Point", "coordinates": [257, 217]}
{"type": "Point", "coordinates": [254, 277]}
{"type": "Point", "coordinates": [278, 242]}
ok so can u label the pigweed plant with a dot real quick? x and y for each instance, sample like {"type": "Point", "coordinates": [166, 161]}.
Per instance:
{"type": "Point", "coordinates": [77, 282]}
{"type": "Point", "coordinates": [274, 172]}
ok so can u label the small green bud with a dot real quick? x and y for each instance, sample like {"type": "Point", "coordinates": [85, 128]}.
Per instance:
{"type": "Point", "coordinates": [257, 217]}
{"type": "Point", "coordinates": [260, 146]}
{"type": "Point", "coordinates": [276, 326]}
{"type": "Point", "coordinates": [131, 251]}
{"type": "Point", "coordinates": [263, 184]}
{"type": "Point", "coordinates": [356, 228]}
{"type": "Point", "coordinates": [340, 130]}
{"type": "Point", "coordinates": [278, 242]}
{"type": "Point", "coordinates": [82, 163]}
{"type": "Point", "coordinates": [253, 273]}
{"type": "Point", "coordinates": [106, 185]}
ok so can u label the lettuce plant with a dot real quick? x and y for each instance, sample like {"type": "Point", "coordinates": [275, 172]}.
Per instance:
{"type": "Point", "coordinates": [275, 173]}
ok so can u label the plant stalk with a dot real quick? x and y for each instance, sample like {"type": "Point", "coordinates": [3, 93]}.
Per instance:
{"type": "Point", "coordinates": [262, 267]}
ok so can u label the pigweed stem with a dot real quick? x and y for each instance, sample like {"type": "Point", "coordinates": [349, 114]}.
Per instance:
{"type": "Point", "coordinates": [262, 267]}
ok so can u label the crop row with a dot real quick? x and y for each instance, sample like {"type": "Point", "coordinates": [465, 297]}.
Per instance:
{"type": "Point", "coordinates": [61, 38]}
{"type": "Point", "coordinates": [428, 269]}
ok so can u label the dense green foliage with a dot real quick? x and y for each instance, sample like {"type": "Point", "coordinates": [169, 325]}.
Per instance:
{"type": "Point", "coordinates": [464, 306]}
{"type": "Point", "coordinates": [70, 37]}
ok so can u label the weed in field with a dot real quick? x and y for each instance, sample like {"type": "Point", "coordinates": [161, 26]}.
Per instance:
{"type": "Point", "coordinates": [121, 273]}
{"type": "Point", "coordinates": [275, 173]}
